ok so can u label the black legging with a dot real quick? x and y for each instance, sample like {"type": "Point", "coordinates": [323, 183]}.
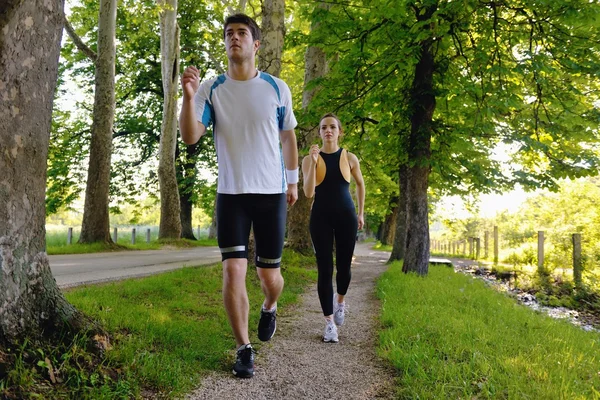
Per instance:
{"type": "Point", "coordinates": [324, 226]}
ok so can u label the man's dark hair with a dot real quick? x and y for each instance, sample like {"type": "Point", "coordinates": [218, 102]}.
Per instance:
{"type": "Point", "coordinates": [243, 19]}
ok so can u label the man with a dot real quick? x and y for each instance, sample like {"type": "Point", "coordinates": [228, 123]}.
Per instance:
{"type": "Point", "coordinates": [253, 128]}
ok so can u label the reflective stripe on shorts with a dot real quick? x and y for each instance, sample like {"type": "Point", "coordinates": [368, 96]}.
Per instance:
{"type": "Point", "coordinates": [268, 260]}
{"type": "Point", "coordinates": [232, 249]}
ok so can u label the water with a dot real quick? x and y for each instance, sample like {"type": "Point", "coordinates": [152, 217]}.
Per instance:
{"type": "Point", "coordinates": [586, 321]}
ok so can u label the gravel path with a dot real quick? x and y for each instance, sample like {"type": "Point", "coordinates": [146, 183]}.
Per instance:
{"type": "Point", "coordinates": [297, 365]}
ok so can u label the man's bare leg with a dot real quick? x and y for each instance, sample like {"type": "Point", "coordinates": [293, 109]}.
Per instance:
{"type": "Point", "coordinates": [271, 283]}
{"type": "Point", "coordinates": [235, 297]}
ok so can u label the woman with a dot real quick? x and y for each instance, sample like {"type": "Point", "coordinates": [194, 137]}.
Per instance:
{"type": "Point", "coordinates": [327, 172]}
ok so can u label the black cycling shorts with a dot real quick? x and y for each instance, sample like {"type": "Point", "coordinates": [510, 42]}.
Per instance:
{"type": "Point", "coordinates": [266, 213]}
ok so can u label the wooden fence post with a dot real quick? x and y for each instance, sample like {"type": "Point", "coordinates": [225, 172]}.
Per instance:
{"type": "Point", "coordinates": [477, 247]}
{"type": "Point", "coordinates": [70, 236]}
{"type": "Point", "coordinates": [495, 245]}
{"type": "Point", "coordinates": [485, 244]}
{"type": "Point", "coordinates": [133, 236]}
{"type": "Point", "coordinates": [115, 236]}
{"type": "Point", "coordinates": [577, 262]}
{"type": "Point", "coordinates": [540, 252]}
{"type": "Point", "coordinates": [148, 235]}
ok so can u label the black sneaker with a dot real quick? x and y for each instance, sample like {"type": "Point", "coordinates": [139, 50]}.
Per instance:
{"type": "Point", "coordinates": [267, 325]}
{"type": "Point", "coordinates": [244, 363]}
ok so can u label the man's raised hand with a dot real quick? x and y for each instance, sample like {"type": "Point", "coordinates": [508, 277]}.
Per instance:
{"type": "Point", "coordinates": [190, 80]}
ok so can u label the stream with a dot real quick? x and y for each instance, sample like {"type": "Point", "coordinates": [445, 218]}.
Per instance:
{"type": "Point", "coordinates": [585, 320]}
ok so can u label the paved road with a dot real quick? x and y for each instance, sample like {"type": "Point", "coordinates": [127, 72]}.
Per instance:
{"type": "Point", "coordinates": [78, 269]}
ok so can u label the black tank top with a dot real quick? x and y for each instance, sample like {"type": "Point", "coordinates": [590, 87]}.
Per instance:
{"type": "Point", "coordinates": [333, 193]}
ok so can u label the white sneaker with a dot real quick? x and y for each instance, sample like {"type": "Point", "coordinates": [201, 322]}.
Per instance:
{"type": "Point", "coordinates": [339, 310]}
{"type": "Point", "coordinates": [331, 334]}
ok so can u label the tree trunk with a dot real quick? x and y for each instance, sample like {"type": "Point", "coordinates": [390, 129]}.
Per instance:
{"type": "Point", "coordinates": [186, 177]}
{"type": "Point", "coordinates": [416, 258]}
{"type": "Point", "coordinates": [95, 226]}
{"type": "Point", "coordinates": [170, 210]}
{"type": "Point", "coordinates": [299, 215]}
{"type": "Point", "coordinates": [389, 226]}
{"type": "Point", "coordinates": [399, 247]}
{"type": "Point", "coordinates": [212, 231]}
{"type": "Point", "coordinates": [422, 99]}
{"type": "Point", "coordinates": [273, 29]}
{"type": "Point", "coordinates": [30, 302]}
{"type": "Point", "coordinates": [187, 230]}
{"type": "Point", "coordinates": [383, 230]}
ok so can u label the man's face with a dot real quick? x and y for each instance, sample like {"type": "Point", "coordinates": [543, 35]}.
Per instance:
{"type": "Point", "coordinates": [239, 43]}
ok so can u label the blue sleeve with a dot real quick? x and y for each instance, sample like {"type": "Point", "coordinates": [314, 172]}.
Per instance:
{"type": "Point", "coordinates": [203, 106]}
{"type": "Point", "coordinates": [287, 119]}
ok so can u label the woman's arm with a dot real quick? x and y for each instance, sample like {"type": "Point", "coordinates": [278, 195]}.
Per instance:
{"type": "Point", "coordinates": [309, 171]}
{"type": "Point", "coordinates": [360, 187]}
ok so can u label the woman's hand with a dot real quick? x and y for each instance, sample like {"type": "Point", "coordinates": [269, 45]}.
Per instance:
{"type": "Point", "coordinates": [314, 153]}
{"type": "Point", "coordinates": [361, 221]}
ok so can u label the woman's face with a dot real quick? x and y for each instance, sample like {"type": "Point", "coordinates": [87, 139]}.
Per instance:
{"type": "Point", "coordinates": [329, 129]}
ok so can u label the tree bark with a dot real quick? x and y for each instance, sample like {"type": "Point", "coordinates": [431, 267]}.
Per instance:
{"type": "Point", "coordinates": [170, 209]}
{"type": "Point", "coordinates": [95, 226]}
{"type": "Point", "coordinates": [30, 302]}
{"type": "Point", "coordinates": [187, 178]}
{"type": "Point", "coordinates": [212, 231]}
{"type": "Point", "coordinates": [399, 247]}
{"type": "Point", "coordinates": [187, 230]}
{"type": "Point", "coordinates": [422, 99]}
{"type": "Point", "coordinates": [299, 215]}
{"type": "Point", "coordinates": [273, 29]}
{"type": "Point", "coordinates": [388, 231]}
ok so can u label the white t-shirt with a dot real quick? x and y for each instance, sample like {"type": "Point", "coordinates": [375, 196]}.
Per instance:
{"type": "Point", "coordinates": [247, 117]}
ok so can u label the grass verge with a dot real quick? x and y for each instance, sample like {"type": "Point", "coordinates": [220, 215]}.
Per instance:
{"type": "Point", "coordinates": [383, 247]}
{"type": "Point", "coordinates": [55, 247]}
{"type": "Point", "coordinates": [449, 336]}
{"type": "Point", "coordinates": [166, 330]}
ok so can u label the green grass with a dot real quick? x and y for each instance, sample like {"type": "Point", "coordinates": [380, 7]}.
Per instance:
{"type": "Point", "coordinates": [166, 331]}
{"type": "Point", "coordinates": [383, 247]}
{"type": "Point", "coordinates": [449, 336]}
{"type": "Point", "coordinates": [56, 243]}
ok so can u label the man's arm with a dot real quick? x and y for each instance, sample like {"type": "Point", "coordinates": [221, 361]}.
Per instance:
{"type": "Point", "coordinates": [290, 159]}
{"type": "Point", "coordinates": [191, 129]}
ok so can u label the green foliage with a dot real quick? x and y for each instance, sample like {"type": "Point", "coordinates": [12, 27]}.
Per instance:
{"type": "Point", "coordinates": [68, 148]}
{"type": "Point", "coordinates": [69, 370]}
{"type": "Point", "coordinates": [139, 95]}
{"type": "Point", "coordinates": [449, 336]}
{"type": "Point", "coordinates": [572, 209]}
{"type": "Point", "coordinates": [523, 78]}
